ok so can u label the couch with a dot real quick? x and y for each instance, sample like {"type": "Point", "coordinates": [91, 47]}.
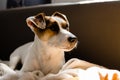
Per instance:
{"type": "Point", "coordinates": [97, 26]}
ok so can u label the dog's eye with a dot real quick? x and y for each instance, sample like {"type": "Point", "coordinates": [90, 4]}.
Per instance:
{"type": "Point", "coordinates": [54, 27]}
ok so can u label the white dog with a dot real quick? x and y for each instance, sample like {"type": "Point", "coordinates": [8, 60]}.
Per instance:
{"type": "Point", "coordinates": [52, 39]}
{"type": "Point", "coordinates": [46, 53]}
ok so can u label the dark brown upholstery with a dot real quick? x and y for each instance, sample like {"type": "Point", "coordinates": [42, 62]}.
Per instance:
{"type": "Point", "coordinates": [96, 25]}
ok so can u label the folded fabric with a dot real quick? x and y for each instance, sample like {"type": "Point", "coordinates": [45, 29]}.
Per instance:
{"type": "Point", "coordinates": [95, 73]}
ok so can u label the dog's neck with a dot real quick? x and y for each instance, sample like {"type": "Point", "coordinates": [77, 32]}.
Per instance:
{"type": "Point", "coordinates": [51, 56]}
{"type": "Point", "coordinates": [43, 46]}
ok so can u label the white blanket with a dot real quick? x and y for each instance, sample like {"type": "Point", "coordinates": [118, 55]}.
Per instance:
{"type": "Point", "coordinates": [95, 73]}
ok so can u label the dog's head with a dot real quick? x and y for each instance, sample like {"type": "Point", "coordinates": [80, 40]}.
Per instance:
{"type": "Point", "coordinates": [53, 30]}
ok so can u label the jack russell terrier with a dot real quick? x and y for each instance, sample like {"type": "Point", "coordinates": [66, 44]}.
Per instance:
{"type": "Point", "coordinates": [52, 39]}
{"type": "Point", "coordinates": [46, 52]}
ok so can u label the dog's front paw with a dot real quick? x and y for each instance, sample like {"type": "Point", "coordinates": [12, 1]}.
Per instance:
{"type": "Point", "coordinates": [4, 69]}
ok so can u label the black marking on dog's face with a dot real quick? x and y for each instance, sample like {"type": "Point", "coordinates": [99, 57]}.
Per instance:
{"type": "Point", "coordinates": [52, 29]}
{"type": "Point", "coordinates": [53, 26]}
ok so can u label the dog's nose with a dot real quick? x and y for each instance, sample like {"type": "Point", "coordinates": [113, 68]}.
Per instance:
{"type": "Point", "coordinates": [72, 39]}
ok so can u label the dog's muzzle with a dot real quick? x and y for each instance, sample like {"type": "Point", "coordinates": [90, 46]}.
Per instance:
{"type": "Point", "coordinates": [72, 43]}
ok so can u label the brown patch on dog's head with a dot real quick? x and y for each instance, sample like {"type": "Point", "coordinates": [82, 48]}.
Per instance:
{"type": "Point", "coordinates": [47, 26]}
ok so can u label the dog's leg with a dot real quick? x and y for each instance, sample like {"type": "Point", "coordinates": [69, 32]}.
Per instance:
{"type": "Point", "coordinates": [77, 63]}
{"type": "Point", "coordinates": [4, 69]}
{"type": "Point", "coordinates": [14, 61]}
{"type": "Point", "coordinates": [6, 73]}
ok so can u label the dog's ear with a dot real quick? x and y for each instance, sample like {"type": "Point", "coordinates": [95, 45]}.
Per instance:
{"type": "Point", "coordinates": [40, 20]}
{"type": "Point", "coordinates": [37, 21]}
{"type": "Point", "coordinates": [60, 15]}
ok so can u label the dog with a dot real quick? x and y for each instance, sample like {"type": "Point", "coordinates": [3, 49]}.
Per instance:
{"type": "Point", "coordinates": [46, 52]}
{"type": "Point", "coordinates": [45, 55]}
